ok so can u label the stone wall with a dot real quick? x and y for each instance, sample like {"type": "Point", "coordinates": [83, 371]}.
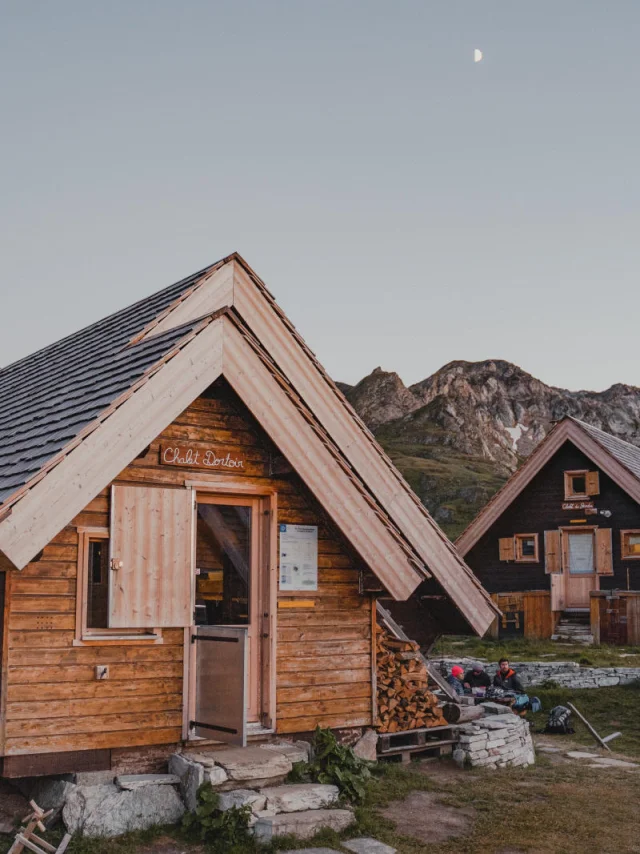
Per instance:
{"type": "Point", "coordinates": [568, 674]}
{"type": "Point", "coordinates": [496, 741]}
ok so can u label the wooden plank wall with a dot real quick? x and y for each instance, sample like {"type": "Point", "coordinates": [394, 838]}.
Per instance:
{"type": "Point", "coordinates": [539, 619]}
{"type": "Point", "coordinates": [53, 701]}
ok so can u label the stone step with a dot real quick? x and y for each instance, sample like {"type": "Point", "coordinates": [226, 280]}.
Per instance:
{"type": "Point", "coordinates": [304, 825]}
{"type": "Point", "coordinates": [300, 797]}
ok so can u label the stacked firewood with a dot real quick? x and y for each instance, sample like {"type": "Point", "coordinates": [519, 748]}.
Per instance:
{"type": "Point", "coordinates": [404, 699]}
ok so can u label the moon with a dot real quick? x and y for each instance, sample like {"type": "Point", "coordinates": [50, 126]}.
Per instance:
{"type": "Point", "coordinates": [477, 55]}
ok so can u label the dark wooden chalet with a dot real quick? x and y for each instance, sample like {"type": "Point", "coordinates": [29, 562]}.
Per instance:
{"type": "Point", "coordinates": [559, 544]}
{"type": "Point", "coordinates": [194, 528]}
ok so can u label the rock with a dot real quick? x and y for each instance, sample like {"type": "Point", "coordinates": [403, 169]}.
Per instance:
{"type": "Point", "coordinates": [82, 801]}
{"type": "Point", "coordinates": [367, 746]}
{"type": "Point", "coordinates": [252, 764]}
{"type": "Point", "coordinates": [302, 824]}
{"type": "Point", "coordinates": [301, 797]}
{"type": "Point", "coordinates": [216, 776]}
{"type": "Point", "coordinates": [136, 810]}
{"type": "Point", "coordinates": [495, 709]}
{"type": "Point", "coordinates": [579, 754]}
{"type": "Point", "coordinates": [241, 798]}
{"type": "Point", "coordinates": [298, 752]}
{"type": "Point", "coordinates": [191, 776]}
{"type": "Point", "coordinates": [129, 782]}
{"type": "Point", "coordinates": [313, 851]}
{"type": "Point", "coordinates": [201, 758]}
{"type": "Point", "coordinates": [366, 845]}
{"type": "Point", "coordinates": [50, 793]}
{"type": "Point", "coordinates": [93, 778]}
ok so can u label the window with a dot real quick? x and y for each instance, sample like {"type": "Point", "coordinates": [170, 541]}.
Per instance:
{"type": "Point", "coordinates": [98, 584]}
{"type": "Point", "coordinates": [630, 545]}
{"type": "Point", "coordinates": [526, 548]}
{"type": "Point", "coordinates": [581, 484]}
{"type": "Point", "coordinates": [94, 575]}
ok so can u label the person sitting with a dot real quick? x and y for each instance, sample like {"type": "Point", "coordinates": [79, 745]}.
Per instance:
{"type": "Point", "coordinates": [455, 679]}
{"type": "Point", "coordinates": [476, 677]}
{"type": "Point", "coordinates": [507, 679]}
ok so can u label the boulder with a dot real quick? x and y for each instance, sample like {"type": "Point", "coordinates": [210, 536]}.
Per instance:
{"type": "Point", "coordinates": [50, 793]}
{"type": "Point", "coordinates": [298, 752]}
{"type": "Point", "coordinates": [102, 811]}
{"type": "Point", "coordinates": [129, 782]}
{"type": "Point", "coordinates": [305, 825]}
{"type": "Point", "coordinates": [366, 845]}
{"type": "Point", "coordinates": [300, 797]}
{"type": "Point", "coordinates": [241, 798]}
{"type": "Point", "coordinates": [191, 776]}
{"type": "Point", "coordinates": [252, 765]}
{"type": "Point", "coordinates": [367, 746]}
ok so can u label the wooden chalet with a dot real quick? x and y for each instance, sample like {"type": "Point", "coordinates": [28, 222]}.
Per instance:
{"type": "Point", "coordinates": [194, 529]}
{"type": "Point", "coordinates": [558, 547]}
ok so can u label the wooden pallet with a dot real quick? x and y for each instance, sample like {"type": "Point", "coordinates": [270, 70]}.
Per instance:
{"type": "Point", "coordinates": [436, 741]}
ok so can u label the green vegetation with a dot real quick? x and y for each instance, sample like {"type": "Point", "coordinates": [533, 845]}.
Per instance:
{"type": "Point", "coordinates": [555, 806]}
{"type": "Point", "coordinates": [335, 764]}
{"type": "Point", "coordinates": [453, 486]}
{"type": "Point", "coordinates": [225, 831]}
{"type": "Point", "coordinates": [522, 649]}
{"type": "Point", "coordinates": [607, 710]}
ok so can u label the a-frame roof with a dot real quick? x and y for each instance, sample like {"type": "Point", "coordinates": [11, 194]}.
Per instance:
{"type": "Point", "coordinates": [96, 399]}
{"type": "Point", "coordinates": [619, 459]}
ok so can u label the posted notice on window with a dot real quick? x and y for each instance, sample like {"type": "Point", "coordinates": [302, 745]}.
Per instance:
{"type": "Point", "coordinates": [298, 557]}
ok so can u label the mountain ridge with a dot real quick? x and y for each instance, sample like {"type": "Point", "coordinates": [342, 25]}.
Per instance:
{"type": "Point", "coordinates": [461, 432]}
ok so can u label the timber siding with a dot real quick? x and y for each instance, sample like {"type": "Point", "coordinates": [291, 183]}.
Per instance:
{"type": "Point", "coordinates": [52, 700]}
{"type": "Point", "coordinates": [538, 508]}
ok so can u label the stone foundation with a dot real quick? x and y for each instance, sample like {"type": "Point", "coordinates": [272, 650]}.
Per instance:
{"type": "Point", "coordinates": [497, 741]}
{"type": "Point", "coordinates": [568, 674]}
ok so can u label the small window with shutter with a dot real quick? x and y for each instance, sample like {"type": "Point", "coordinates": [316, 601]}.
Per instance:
{"type": "Point", "coordinates": [630, 544]}
{"type": "Point", "coordinates": [581, 484]}
{"type": "Point", "coordinates": [526, 548]}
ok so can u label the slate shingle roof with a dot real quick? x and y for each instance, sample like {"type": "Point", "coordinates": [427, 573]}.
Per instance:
{"type": "Point", "coordinates": [626, 454]}
{"type": "Point", "coordinates": [47, 398]}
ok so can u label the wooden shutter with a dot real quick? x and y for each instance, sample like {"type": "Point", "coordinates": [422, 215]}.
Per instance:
{"type": "Point", "coordinates": [507, 548]}
{"type": "Point", "coordinates": [558, 593]}
{"type": "Point", "coordinates": [552, 554]}
{"type": "Point", "coordinates": [593, 483]}
{"type": "Point", "coordinates": [604, 554]}
{"type": "Point", "coordinates": [152, 552]}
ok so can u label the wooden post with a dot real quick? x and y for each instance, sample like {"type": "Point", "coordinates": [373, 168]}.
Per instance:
{"type": "Point", "coordinates": [589, 727]}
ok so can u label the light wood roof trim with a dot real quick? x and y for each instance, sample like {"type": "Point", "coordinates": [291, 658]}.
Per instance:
{"type": "Point", "coordinates": [566, 430]}
{"type": "Point", "coordinates": [267, 400]}
{"type": "Point", "coordinates": [355, 441]}
{"type": "Point", "coordinates": [97, 459]}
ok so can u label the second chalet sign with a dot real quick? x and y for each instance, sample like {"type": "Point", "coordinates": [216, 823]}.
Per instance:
{"type": "Point", "coordinates": [220, 459]}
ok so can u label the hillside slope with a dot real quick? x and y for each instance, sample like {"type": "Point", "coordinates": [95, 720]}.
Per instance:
{"type": "Point", "coordinates": [459, 434]}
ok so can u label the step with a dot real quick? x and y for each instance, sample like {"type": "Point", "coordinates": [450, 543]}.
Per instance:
{"type": "Point", "coordinates": [300, 797]}
{"type": "Point", "coordinates": [304, 825]}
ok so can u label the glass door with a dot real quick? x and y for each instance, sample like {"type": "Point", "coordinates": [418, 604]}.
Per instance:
{"type": "Point", "coordinates": [228, 589]}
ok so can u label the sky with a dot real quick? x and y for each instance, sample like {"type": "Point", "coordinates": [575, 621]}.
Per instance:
{"type": "Point", "coordinates": [406, 206]}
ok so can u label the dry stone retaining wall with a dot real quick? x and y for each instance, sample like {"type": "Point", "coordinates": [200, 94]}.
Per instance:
{"type": "Point", "coordinates": [568, 674]}
{"type": "Point", "coordinates": [497, 741]}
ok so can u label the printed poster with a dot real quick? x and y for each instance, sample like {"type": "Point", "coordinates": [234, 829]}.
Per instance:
{"type": "Point", "coordinates": [298, 557]}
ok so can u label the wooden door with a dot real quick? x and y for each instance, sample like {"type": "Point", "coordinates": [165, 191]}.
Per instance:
{"type": "Point", "coordinates": [579, 567]}
{"type": "Point", "coordinates": [229, 591]}
{"type": "Point", "coordinates": [3, 579]}
{"type": "Point", "coordinates": [613, 620]}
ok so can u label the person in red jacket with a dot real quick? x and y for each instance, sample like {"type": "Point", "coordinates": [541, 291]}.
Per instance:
{"type": "Point", "coordinates": [507, 679]}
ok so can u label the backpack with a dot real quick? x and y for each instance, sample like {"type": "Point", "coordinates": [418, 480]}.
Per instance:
{"type": "Point", "coordinates": [559, 721]}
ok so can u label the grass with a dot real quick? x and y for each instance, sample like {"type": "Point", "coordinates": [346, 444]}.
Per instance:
{"type": "Point", "coordinates": [607, 710]}
{"type": "Point", "coordinates": [551, 808]}
{"type": "Point", "coordinates": [523, 649]}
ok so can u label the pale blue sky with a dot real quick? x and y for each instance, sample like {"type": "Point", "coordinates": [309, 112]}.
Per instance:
{"type": "Point", "coordinates": [406, 206]}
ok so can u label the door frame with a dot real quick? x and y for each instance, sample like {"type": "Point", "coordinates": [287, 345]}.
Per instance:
{"type": "Point", "coordinates": [267, 544]}
{"type": "Point", "coordinates": [564, 535]}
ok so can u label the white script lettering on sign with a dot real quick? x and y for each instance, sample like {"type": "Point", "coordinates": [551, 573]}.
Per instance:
{"type": "Point", "coordinates": [206, 458]}
{"type": "Point", "coordinates": [298, 557]}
